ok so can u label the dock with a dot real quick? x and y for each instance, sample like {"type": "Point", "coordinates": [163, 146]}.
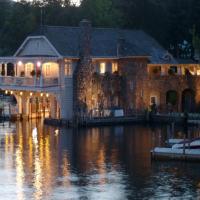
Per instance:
{"type": "Point", "coordinates": [175, 154]}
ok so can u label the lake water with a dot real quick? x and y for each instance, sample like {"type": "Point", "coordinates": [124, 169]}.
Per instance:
{"type": "Point", "coordinates": [97, 163]}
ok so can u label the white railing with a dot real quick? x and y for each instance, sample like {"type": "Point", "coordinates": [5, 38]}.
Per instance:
{"type": "Point", "coordinates": [28, 82]}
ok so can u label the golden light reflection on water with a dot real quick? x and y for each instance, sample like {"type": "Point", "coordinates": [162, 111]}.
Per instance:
{"type": "Point", "coordinates": [39, 161]}
{"type": "Point", "coordinates": [37, 172]}
{"type": "Point", "coordinates": [34, 158]}
{"type": "Point", "coordinates": [66, 170]}
{"type": "Point", "coordinates": [19, 174]}
{"type": "Point", "coordinates": [88, 160]}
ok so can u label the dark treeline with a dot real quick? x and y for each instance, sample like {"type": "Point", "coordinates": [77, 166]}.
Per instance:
{"type": "Point", "coordinates": [174, 23]}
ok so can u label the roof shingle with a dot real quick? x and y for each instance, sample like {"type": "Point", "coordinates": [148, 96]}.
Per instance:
{"type": "Point", "coordinates": [105, 41]}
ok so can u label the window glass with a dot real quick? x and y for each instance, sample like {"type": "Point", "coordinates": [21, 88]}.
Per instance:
{"type": "Point", "coordinates": [198, 71]}
{"type": "Point", "coordinates": [102, 68]}
{"type": "Point", "coordinates": [114, 67]}
{"type": "Point", "coordinates": [68, 69]}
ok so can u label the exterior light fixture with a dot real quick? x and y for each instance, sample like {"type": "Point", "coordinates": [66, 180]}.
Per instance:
{"type": "Point", "coordinates": [6, 92]}
{"type": "Point", "coordinates": [41, 94]}
{"type": "Point", "coordinates": [31, 94]}
{"type": "Point", "coordinates": [19, 63]}
{"type": "Point", "coordinates": [39, 64]}
{"type": "Point", "coordinates": [21, 93]}
{"type": "Point", "coordinates": [47, 95]}
{"type": "Point", "coordinates": [11, 92]}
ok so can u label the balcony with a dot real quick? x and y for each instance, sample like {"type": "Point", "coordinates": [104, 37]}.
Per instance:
{"type": "Point", "coordinates": [28, 83]}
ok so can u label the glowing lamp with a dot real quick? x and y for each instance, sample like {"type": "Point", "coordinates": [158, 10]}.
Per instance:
{"type": "Point", "coordinates": [39, 64]}
{"type": "Point", "coordinates": [31, 94]}
{"type": "Point", "coordinates": [19, 63]}
{"type": "Point", "coordinates": [41, 94]}
{"type": "Point", "coordinates": [6, 92]}
{"type": "Point", "coordinates": [11, 92]}
{"type": "Point", "coordinates": [47, 95]}
{"type": "Point", "coordinates": [21, 93]}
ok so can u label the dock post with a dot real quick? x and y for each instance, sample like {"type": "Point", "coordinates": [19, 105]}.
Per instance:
{"type": "Point", "coordinates": [172, 128]}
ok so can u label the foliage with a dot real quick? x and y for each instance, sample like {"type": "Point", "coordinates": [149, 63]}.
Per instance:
{"type": "Point", "coordinates": [170, 22]}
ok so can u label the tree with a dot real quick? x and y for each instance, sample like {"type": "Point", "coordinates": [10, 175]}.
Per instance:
{"type": "Point", "coordinates": [101, 12]}
{"type": "Point", "coordinates": [19, 24]}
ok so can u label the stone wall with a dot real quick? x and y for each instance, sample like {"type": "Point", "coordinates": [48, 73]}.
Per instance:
{"type": "Point", "coordinates": [159, 86]}
{"type": "Point", "coordinates": [84, 71]}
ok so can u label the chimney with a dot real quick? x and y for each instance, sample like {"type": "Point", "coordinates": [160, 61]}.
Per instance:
{"type": "Point", "coordinates": [120, 46]}
{"type": "Point", "coordinates": [85, 38]}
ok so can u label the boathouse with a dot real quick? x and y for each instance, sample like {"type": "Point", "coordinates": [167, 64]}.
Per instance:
{"type": "Point", "coordinates": [62, 72]}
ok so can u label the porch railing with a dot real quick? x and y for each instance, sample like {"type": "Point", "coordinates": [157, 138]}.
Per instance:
{"type": "Point", "coordinates": [28, 82]}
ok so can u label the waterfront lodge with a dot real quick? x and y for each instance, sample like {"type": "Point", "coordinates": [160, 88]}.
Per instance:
{"type": "Point", "coordinates": [67, 72]}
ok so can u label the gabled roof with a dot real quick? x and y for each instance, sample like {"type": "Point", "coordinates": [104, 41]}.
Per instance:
{"type": "Point", "coordinates": [104, 43]}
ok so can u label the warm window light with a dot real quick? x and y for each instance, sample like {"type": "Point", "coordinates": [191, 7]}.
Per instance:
{"type": "Point", "coordinates": [39, 64]}
{"type": "Point", "coordinates": [102, 68]}
{"type": "Point", "coordinates": [114, 67]}
{"type": "Point", "coordinates": [19, 63]}
{"type": "Point", "coordinates": [31, 94]}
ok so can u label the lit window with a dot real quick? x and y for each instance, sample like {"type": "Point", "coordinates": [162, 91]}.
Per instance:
{"type": "Point", "coordinates": [68, 69]}
{"type": "Point", "coordinates": [102, 68]}
{"type": "Point", "coordinates": [198, 71]}
{"type": "Point", "coordinates": [114, 67]}
{"type": "Point", "coordinates": [28, 68]}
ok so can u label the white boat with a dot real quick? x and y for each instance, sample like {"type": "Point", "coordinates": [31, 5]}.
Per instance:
{"type": "Point", "coordinates": [171, 142]}
{"type": "Point", "coordinates": [187, 144]}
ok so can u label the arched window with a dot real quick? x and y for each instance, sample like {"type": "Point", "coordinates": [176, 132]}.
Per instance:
{"type": "Point", "coordinates": [188, 100]}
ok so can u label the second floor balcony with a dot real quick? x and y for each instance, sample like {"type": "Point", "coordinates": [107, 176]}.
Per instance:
{"type": "Point", "coordinates": [29, 74]}
{"type": "Point", "coordinates": [29, 82]}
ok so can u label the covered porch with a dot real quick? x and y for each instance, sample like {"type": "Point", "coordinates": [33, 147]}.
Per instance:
{"type": "Point", "coordinates": [29, 71]}
{"type": "Point", "coordinates": [29, 104]}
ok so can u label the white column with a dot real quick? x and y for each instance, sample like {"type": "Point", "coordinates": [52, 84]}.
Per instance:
{"type": "Point", "coordinates": [52, 107]}
{"type": "Point", "coordinates": [41, 76]}
{"type": "Point", "coordinates": [19, 104]}
{"type": "Point", "coordinates": [15, 64]}
{"type": "Point", "coordinates": [0, 68]}
{"type": "Point", "coordinates": [61, 73]}
{"type": "Point", "coordinates": [5, 69]}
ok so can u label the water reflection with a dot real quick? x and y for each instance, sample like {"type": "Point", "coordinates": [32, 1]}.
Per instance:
{"type": "Point", "coordinates": [97, 163]}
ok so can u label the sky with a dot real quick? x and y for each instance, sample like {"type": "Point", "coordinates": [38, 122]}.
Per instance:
{"type": "Point", "coordinates": [77, 2]}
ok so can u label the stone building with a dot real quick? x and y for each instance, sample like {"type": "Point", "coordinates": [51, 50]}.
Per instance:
{"type": "Point", "coordinates": [62, 72]}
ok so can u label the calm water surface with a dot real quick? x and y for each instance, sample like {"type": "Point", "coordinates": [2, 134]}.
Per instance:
{"type": "Point", "coordinates": [97, 163]}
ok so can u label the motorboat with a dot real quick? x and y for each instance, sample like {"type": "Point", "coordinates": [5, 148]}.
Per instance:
{"type": "Point", "coordinates": [187, 144]}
